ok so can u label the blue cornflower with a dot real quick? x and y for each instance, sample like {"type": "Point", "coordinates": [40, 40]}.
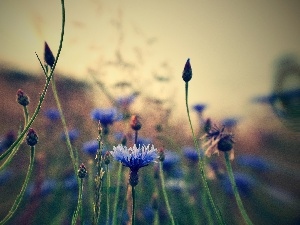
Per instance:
{"type": "Point", "coordinates": [7, 140]}
{"type": "Point", "coordinates": [90, 147]}
{"type": "Point", "coordinates": [191, 154]}
{"type": "Point", "coordinates": [199, 107]}
{"type": "Point", "coordinates": [229, 122]}
{"type": "Point", "coordinates": [126, 101]}
{"type": "Point", "coordinates": [5, 176]}
{"type": "Point", "coordinates": [244, 184]}
{"type": "Point", "coordinates": [105, 116]}
{"type": "Point", "coordinates": [254, 162]}
{"type": "Point", "coordinates": [73, 135]}
{"type": "Point", "coordinates": [134, 158]}
{"type": "Point", "coordinates": [143, 141]}
{"type": "Point", "coordinates": [52, 114]}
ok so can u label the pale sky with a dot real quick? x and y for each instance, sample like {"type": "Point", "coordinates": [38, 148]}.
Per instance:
{"type": "Point", "coordinates": [232, 45]}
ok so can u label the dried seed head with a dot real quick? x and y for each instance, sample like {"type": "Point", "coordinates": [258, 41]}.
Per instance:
{"type": "Point", "coordinates": [225, 143]}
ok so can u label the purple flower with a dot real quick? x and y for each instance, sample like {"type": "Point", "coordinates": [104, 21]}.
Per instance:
{"type": "Point", "coordinates": [5, 176]}
{"type": "Point", "coordinates": [171, 159]}
{"type": "Point", "coordinates": [143, 141]}
{"type": "Point", "coordinates": [244, 184]}
{"type": "Point", "coordinates": [253, 162]}
{"type": "Point", "coordinates": [105, 116]}
{"type": "Point", "coordinates": [199, 108]}
{"type": "Point", "coordinates": [52, 114]}
{"type": "Point", "coordinates": [73, 135]}
{"type": "Point", "coordinates": [7, 140]}
{"type": "Point", "coordinates": [126, 101]}
{"type": "Point", "coordinates": [91, 147]}
{"type": "Point", "coordinates": [229, 122]}
{"type": "Point", "coordinates": [135, 157]}
{"type": "Point", "coordinates": [191, 154]}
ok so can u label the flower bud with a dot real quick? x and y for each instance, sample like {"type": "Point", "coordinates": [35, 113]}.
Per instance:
{"type": "Point", "coordinates": [32, 137]}
{"type": "Point", "coordinates": [48, 55]}
{"type": "Point", "coordinates": [135, 123]}
{"type": "Point", "coordinates": [161, 154]}
{"type": "Point", "coordinates": [225, 143]}
{"type": "Point", "coordinates": [187, 71]}
{"type": "Point", "coordinates": [107, 157]}
{"type": "Point", "coordinates": [22, 98]}
{"type": "Point", "coordinates": [82, 172]}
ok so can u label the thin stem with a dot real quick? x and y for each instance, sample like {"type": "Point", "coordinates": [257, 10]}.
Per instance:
{"type": "Point", "coordinates": [136, 137]}
{"type": "Point", "coordinates": [79, 203]}
{"type": "Point", "coordinates": [23, 189]}
{"type": "Point", "coordinates": [235, 190]}
{"type": "Point", "coordinates": [162, 179]}
{"type": "Point", "coordinates": [201, 161]}
{"type": "Point", "coordinates": [43, 94]}
{"type": "Point", "coordinates": [119, 175]}
{"type": "Point", "coordinates": [107, 194]}
{"type": "Point", "coordinates": [133, 205]}
{"type": "Point", "coordinates": [63, 120]}
{"type": "Point", "coordinates": [26, 115]}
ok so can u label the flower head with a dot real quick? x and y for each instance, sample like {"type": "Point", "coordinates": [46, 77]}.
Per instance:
{"type": "Point", "coordinates": [90, 147]}
{"type": "Point", "coordinates": [105, 116]}
{"type": "Point", "coordinates": [22, 98]}
{"type": "Point", "coordinates": [48, 55]}
{"type": "Point", "coordinates": [135, 157]}
{"type": "Point", "coordinates": [219, 140]}
{"type": "Point", "coordinates": [31, 137]}
{"type": "Point", "coordinates": [52, 114]}
{"type": "Point", "coordinates": [199, 108]}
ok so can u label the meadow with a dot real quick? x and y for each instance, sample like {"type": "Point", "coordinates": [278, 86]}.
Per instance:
{"type": "Point", "coordinates": [68, 159]}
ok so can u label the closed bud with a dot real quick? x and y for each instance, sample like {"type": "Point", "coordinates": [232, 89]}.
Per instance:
{"type": "Point", "coordinates": [187, 71]}
{"type": "Point", "coordinates": [161, 154]}
{"type": "Point", "coordinates": [107, 157]}
{"type": "Point", "coordinates": [31, 137]}
{"type": "Point", "coordinates": [135, 123]}
{"type": "Point", "coordinates": [82, 172]}
{"type": "Point", "coordinates": [22, 98]}
{"type": "Point", "coordinates": [48, 55]}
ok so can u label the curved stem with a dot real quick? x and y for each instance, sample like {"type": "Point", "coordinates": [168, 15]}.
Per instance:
{"type": "Point", "coordinates": [26, 115]}
{"type": "Point", "coordinates": [235, 190]}
{"type": "Point", "coordinates": [23, 189]}
{"type": "Point", "coordinates": [79, 203]}
{"type": "Point", "coordinates": [162, 179]}
{"type": "Point", "coordinates": [43, 94]}
{"type": "Point", "coordinates": [201, 161]}
{"type": "Point", "coordinates": [63, 120]}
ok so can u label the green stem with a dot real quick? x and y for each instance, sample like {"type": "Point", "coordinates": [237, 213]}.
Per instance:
{"type": "Point", "coordinates": [133, 205]}
{"type": "Point", "coordinates": [235, 190]}
{"type": "Point", "coordinates": [107, 194]}
{"type": "Point", "coordinates": [63, 120]}
{"type": "Point", "coordinates": [162, 179]}
{"type": "Point", "coordinates": [23, 189]}
{"type": "Point", "coordinates": [42, 96]}
{"type": "Point", "coordinates": [26, 115]}
{"type": "Point", "coordinates": [119, 175]}
{"type": "Point", "coordinates": [79, 203]}
{"type": "Point", "coordinates": [201, 162]}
